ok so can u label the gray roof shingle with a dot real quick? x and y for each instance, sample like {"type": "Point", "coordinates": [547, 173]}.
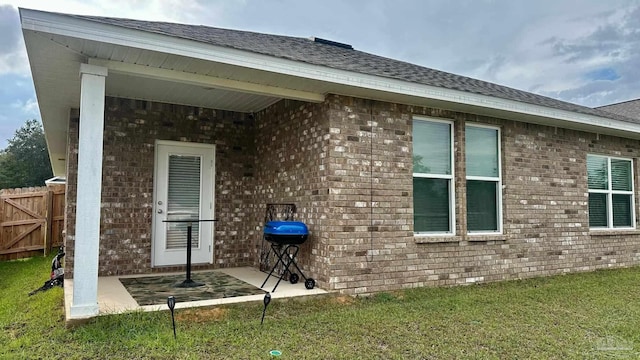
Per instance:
{"type": "Point", "coordinates": [630, 109]}
{"type": "Point", "coordinates": [308, 51]}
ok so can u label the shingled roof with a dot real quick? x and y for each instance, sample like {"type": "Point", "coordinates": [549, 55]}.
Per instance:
{"type": "Point", "coordinates": [630, 109]}
{"type": "Point", "coordinates": [344, 58]}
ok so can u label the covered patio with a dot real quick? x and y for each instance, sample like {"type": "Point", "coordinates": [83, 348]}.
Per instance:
{"type": "Point", "coordinates": [118, 105]}
{"type": "Point", "coordinates": [114, 298]}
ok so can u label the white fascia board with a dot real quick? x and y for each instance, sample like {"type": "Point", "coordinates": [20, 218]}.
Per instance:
{"type": "Point", "coordinates": [79, 28]}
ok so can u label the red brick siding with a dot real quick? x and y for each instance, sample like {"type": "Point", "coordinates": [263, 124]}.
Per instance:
{"type": "Point", "coordinates": [347, 165]}
{"type": "Point", "coordinates": [291, 166]}
{"type": "Point", "coordinates": [131, 128]}
{"type": "Point", "coordinates": [545, 204]}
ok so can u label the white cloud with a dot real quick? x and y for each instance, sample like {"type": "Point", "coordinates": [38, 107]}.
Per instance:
{"type": "Point", "coordinates": [156, 10]}
{"type": "Point", "coordinates": [27, 108]}
{"type": "Point", "coordinates": [14, 62]}
{"type": "Point", "coordinates": [552, 54]}
{"type": "Point", "coordinates": [13, 58]}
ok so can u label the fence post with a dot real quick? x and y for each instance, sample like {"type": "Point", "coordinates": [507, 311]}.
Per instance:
{"type": "Point", "coordinates": [48, 222]}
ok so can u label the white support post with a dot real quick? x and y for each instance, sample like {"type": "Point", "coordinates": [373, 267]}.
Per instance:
{"type": "Point", "coordinates": [89, 191]}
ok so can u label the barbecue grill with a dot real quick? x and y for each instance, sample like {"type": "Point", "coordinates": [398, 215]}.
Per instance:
{"type": "Point", "coordinates": [286, 232]}
{"type": "Point", "coordinates": [285, 236]}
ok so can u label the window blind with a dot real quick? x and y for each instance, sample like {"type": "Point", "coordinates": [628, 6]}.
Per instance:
{"type": "Point", "coordinates": [183, 200]}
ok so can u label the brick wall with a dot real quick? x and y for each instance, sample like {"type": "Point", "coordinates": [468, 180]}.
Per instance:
{"type": "Point", "coordinates": [291, 165]}
{"type": "Point", "coordinates": [131, 128]}
{"type": "Point", "coordinates": [70, 196]}
{"type": "Point", "coordinates": [369, 179]}
{"type": "Point", "coordinates": [347, 164]}
{"type": "Point", "coordinates": [545, 204]}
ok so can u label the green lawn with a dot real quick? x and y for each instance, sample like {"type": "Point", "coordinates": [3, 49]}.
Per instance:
{"type": "Point", "coordinates": [584, 316]}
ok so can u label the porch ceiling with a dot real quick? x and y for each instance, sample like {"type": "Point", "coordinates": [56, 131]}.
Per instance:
{"type": "Point", "coordinates": [146, 75]}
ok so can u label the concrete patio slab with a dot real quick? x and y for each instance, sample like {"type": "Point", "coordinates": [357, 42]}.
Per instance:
{"type": "Point", "coordinates": [113, 297]}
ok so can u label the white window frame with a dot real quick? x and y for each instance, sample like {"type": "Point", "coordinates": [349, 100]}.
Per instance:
{"type": "Point", "coordinates": [497, 180]}
{"type": "Point", "coordinates": [450, 177]}
{"type": "Point", "coordinates": [610, 192]}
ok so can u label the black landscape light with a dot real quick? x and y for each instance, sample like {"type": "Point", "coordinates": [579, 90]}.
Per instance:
{"type": "Point", "coordinates": [266, 300]}
{"type": "Point", "coordinates": [171, 303]}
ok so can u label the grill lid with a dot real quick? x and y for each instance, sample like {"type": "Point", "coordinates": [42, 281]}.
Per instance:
{"type": "Point", "coordinates": [285, 228]}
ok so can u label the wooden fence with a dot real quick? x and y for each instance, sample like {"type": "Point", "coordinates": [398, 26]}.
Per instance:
{"type": "Point", "coordinates": [31, 221]}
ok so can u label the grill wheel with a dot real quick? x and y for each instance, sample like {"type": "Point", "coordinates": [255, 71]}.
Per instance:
{"type": "Point", "coordinates": [309, 283]}
{"type": "Point", "coordinates": [293, 278]}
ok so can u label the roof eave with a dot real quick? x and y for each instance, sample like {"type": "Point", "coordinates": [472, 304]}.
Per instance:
{"type": "Point", "coordinates": [61, 24]}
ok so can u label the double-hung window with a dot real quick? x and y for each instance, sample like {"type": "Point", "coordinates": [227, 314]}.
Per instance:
{"type": "Point", "coordinates": [433, 194]}
{"type": "Point", "coordinates": [484, 182]}
{"type": "Point", "coordinates": [611, 198]}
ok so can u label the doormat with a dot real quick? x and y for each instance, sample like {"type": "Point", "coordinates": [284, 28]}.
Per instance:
{"type": "Point", "coordinates": [154, 290]}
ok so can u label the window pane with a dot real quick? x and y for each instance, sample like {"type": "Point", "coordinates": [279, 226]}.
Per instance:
{"type": "Point", "coordinates": [431, 147]}
{"type": "Point", "coordinates": [482, 211]}
{"type": "Point", "coordinates": [597, 210]}
{"type": "Point", "coordinates": [621, 210]}
{"type": "Point", "coordinates": [431, 205]}
{"type": "Point", "coordinates": [620, 175]}
{"type": "Point", "coordinates": [481, 151]}
{"type": "Point", "coordinates": [597, 172]}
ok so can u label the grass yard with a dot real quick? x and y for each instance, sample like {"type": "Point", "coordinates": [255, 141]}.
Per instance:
{"type": "Point", "coordinates": [583, 316]}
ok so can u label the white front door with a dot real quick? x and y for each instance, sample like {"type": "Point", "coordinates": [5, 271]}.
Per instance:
{"type": "Point", "coordinates": [184, 189]}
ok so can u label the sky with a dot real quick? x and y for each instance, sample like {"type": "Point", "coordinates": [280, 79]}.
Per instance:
{"type": "Point", "coordinates": [581, 51]}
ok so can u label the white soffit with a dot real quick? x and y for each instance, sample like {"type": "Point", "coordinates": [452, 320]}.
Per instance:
{"type": "Point", "coordinates": [206, 81]}
{"type": "Point", "coordinates": [119, 85]}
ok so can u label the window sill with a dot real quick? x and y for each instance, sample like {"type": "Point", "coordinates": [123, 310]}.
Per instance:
{"type": "Point", "coordinates": [435, 239]}
{"type": "Point", "coordinates": [612, 232]}
{"type": "Point", "coordinates": [471, 238]}
{"type": "Point", "coordinates": [485, 237]}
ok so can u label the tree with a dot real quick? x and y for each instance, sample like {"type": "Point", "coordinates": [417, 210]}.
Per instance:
{"type": "Point", "coordinates": [418, 167]}
{"type": "Point", "coordinates": [25, 161]}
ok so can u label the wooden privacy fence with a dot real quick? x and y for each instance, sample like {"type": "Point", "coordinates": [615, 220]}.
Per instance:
{"type": "Point", "coordinates": [31, 221]}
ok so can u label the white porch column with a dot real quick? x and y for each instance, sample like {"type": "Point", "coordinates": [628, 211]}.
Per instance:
{"type": "Point", "coordinates": [89, 191]}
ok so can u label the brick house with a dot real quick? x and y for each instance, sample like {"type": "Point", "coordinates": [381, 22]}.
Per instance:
{"type": "Point", "coordinates": [406, 176]}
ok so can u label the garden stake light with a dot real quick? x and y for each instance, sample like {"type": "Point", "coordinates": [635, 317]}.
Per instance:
{"type": "Point", "coordinates": [267, 300]}
{"type": "Point", "coordinates": [171, 302]}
